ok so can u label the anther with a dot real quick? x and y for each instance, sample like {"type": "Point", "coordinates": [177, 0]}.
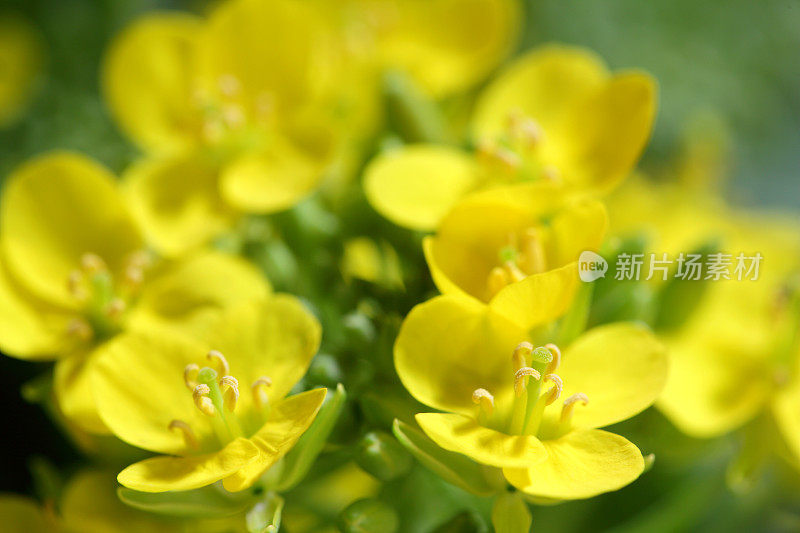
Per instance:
{"type": "Point", "coordinates": [514, 272]}
{"type": "Point", "coordinates": [521, 379]}
{"type": "Point", "coordinates": [188, 435]}
{"type": "Point", "coordinates": [217, 357]}
{"type": "Point", "coordinates": [498, 279]}
{"type": "Point", "coordinates": [230, 391]}
{"type": "Point", "coordinates": [202, 401]}
{"type": "Point", "coordinates": [228, 85]}
{"type": "Point", "coordinates": [533, 254]}
{"type": "Point", "coordinates": [554, 364]}
{"type": "Point", "coordinates": [531, 132]}
{"type": "Point", "coordinates": [190, 376]}
{"type": "Point", "coordinates": [551, 173]}
{"type": "Point", "coordinates": [507, 158]}
{"type": "Point", "coordinates": [75, 285]}
{"type": "Point", "coordinates": [554, 393]}
{"type": "Point", "coordinates": [259, 388]}
{"type": "Point", "coordinates": [483, 398]}
{"type": "Point", "coordinates": [521, 352]}
{"type": "Point", "coordinates": [569, 405]}
{"type": "Point", "coordinates": [93, 263]}
{"type": "Point", "coordinates": [79, 328]}
{"type": "Point", "coordinates": [115, 308]}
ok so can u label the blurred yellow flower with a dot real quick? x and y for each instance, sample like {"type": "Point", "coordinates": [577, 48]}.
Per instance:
{"type": "Point", "coordinates": [75, 271]}
{"type": "Point", "coordinates": [227, 421]}
{"type": "Point", "coordinates": [516, 249]}
{"type": "Point", "coordinates": [21, 58]}
{"type": "Point", "coordinates": [455, 355]}
{"type": "Point", "coordinates": [367, 260]}
{"type": "Point", "coordinates": [555, 114]}
{"type": "Point", "coordinates": [231, 121]}
{"type": "Point", "coordinates": [445, 46]}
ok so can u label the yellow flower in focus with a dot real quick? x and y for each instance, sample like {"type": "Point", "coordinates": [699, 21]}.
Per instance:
{"type": "Point", "coordinates": [21, 52]}
{"type": "Point", "coordinates": [242, 112]}
{"type": "Point", "coordinates": [217, 407]}
{"type": "Point", "coordinates": [445, 46]}
{"type": "Point", "coordinates": [531, 411]}
{"type": "Point", "coordinates": [555, 114]}
{"type": "Point", "coordinates": [516, 249]}
{"type": "Point", "coordinates": [75, 272]}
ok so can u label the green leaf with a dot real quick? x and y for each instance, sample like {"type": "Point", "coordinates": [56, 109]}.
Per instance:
{"type": "Point", "coordinates": [510, 514]}
{"type": "Point", "coordinates": [206, 502]}
{"type": "Point", "coordinates": [450, 466]}
{"type": "Point", "coordinates": [298, 461]}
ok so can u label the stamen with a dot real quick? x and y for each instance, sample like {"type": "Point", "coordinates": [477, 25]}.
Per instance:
{"type": "Point", "coordinates": [228, 84]}
{"type": "Point", "coordinates": [79, 328]}
{"type": "Point", "coordinates": [554, 364]}
{"type": "Point", "coordinates": [521, 379]}
{"type": "Point", "coordinates": [554, 393]}
{"type": "Point", "coordinates": [531, 132]}
{"type": "Point", "coordinates": [190, 376]}
{"type": "Point", "coordinates": [93, 263]}
{"type": "Point", "coordinates": [259, 389]}
{"type": "Point", "coordinates": [188, 435]}
{"type": "Point", "coordinates": [217, 357]}
{"type": "Point", "coordinates": [533, 255]}
{"type": "Point", "coordinates": [75, 285]}
{"type": "Point", "coordinates": [514, 272]}
{"type": "Point", "coordinates": [233, 116]}
{"type": "Point", "coordinates": [483, 398]}
{"type": "Point", "coordinates": [115, 308]}
{"type": "Point", "coordinates": [521, 352]}
{"type": "Point", "coordinates": [134, 275]}
{"type": "Point", "coordinates": [507, 158]}
{"type": "Point", "coordinates": [202, 401]}
{"type": "Point", "coordinates": [569, 405]}
{"type": "Point", "coordinates": [230, 391]}
{"type": "Point", "coordinates": [551, 173]}
{"type": "Point", "coordinates": [498, 279]}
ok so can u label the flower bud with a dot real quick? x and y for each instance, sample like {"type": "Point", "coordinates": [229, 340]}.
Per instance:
{"type": "Point", "coordinates": [382, 456]}
{"type": "Point", "coordinates": [368, 516]}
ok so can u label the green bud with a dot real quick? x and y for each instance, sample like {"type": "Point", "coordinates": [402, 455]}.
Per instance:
{"type": "Point", "coordinates": [359, 328]}
{"type": "Point", "coordinates": [382, 456]}
{"type": "Point", "coordinates": [205, 502]}
{"type": "Point", "coordinates": [368, 516]}
{"type": "Point", "coordinates": [324, 370]}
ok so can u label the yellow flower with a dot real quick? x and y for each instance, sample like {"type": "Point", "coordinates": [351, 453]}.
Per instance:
{"type": "Point", "coordinates": [555, 114]}
{"type": "Point", "coordinates": [516, 249]}
{"type": "Point", "coordinates": [230, 121]}
{"type": "Point", "coordinates": [75, 271]}
{"type": "Point", "coordinates": [445, 46]}
{"type": "Point", "coordinates": [21, 56]}
{"type": "Point", "coordinates": [225, 418]}
{"type": "Point", "coordinates": [529, 410]}
{"type": "Point", "coordinates": [367, 260]}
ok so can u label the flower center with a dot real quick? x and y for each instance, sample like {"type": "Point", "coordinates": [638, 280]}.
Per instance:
{"type": "Point", "coordinates": [215, 392]}
{"type": "Point", "coordinates": [515, 154]}
{"type": "Point", "coordinates": [104, 298]}
{"type": "Point", "coordinates": [532, 368]}
{"type": "Point", "coordinates": [524, 255]}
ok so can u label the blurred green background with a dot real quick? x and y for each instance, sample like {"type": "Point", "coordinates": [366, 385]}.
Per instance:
{"type": "Point", "coordinates": [735, 58]}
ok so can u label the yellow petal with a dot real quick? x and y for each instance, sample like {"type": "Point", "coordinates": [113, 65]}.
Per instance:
{"type": "Point", "coordinates": [276, 338]}
{"type": "Point", "coordinates": [463, 434]}
{"type": "Point", "coordinates": [718, 379]}
{"type": "Point", "coordinates": [621, 367]}
{"type": "Point", "coordinates": [176, 200]}
{"type": "Point", "coordinates": [22, 515]}
{"type": "Point", "coordinates": [580, 226]}
{"type": "Point", "coordinates": [449, 346]}
{"type": "Point", "coordinates": [445, 45]}
{"type": "Point", "coordinates": [786, 408]}
{"type": "Point", "coordinates": [21, 54]}
{"type": "Point", "coordinates": [138, 387]}
{"type": "Point", "coordinates": [600, 140]}
{"type": "Point", "coordinates": [29, 328]}
{"type": "Point", "coordinates": [161, 474]}
{"type": "Point", "coordinates": [415, 186]}
{"type": "Point", "coordinates": [288, 420]}
{"type": "Point", "coordinates": [72, 385]}
{"type": "Point", "coordinates": [271, 180]}
{"type": "Point", "coordinates": [148, 81]}
{"type": "Point", "coordinates": [190, 292]}
{"type": "Point", "coordinates": [543, 84]}
{"type": "Point", "coordinates": [55, 209]}
{"type": "Point", "coordinates": [539, 298]}
{"type": "Point", "coordinates": [581, 464]}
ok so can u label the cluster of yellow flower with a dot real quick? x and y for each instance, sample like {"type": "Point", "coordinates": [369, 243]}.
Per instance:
{"type": "Point", "coordinates": [164, 341]}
